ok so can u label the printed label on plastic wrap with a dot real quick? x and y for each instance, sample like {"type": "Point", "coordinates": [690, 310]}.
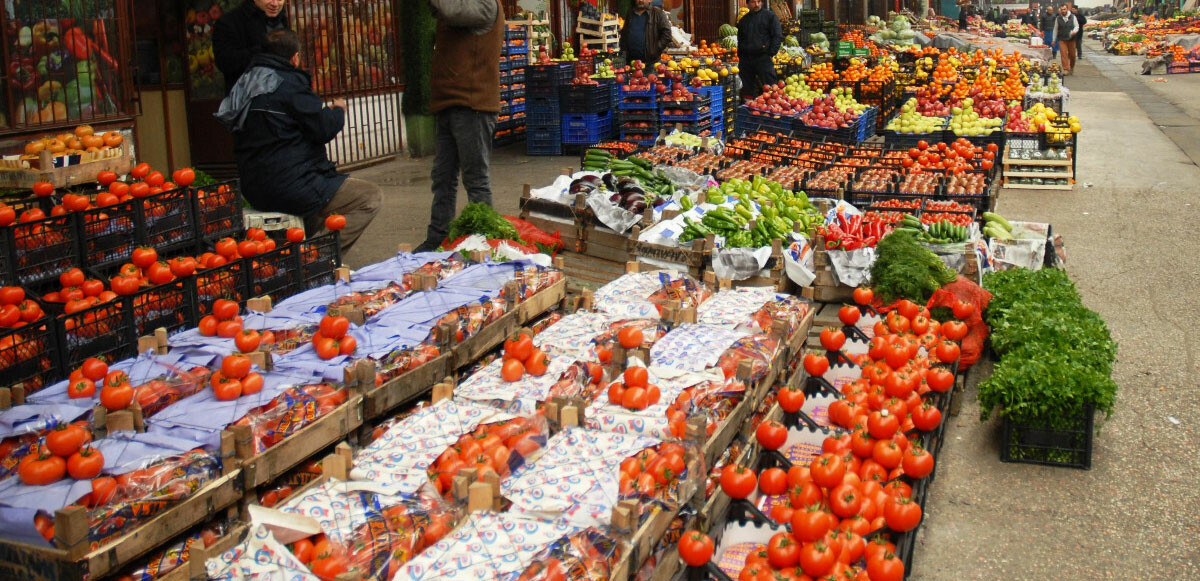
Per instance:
{"type": "Point", "coordinates": [488, 545]}
{"type": "Point", "coordinates": [693, 347]}
{"type": "Point", "coordinates": [576, 478]}
{"type": "Point", "coordinates": [523, 394]}
{"type": "Point", "coordinates": [798, 263]}
{"type": "Point", "coordinates": [734, 307]}
{"type": "Point", "coordinates": [398, 460]}
{"type": "Point", "coordinates": [572, 335]}
{"type": "Point", "coordinates": [626, 297]}
{"type": "Point", "coordinates": [259, 556]}
{"type": "Point", "coordinates": [340, 507]}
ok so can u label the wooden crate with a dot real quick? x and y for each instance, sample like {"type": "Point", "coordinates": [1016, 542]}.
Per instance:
{"type": "Point", "coordinates": [32, 563]}
{"type": "Point", "coordinates": [692, 261]}
{"type": "Point", "coordinates": [585, 271]}
{"type": "Point", "coordinates": [25, 173]}
{"type": "Point", "coordinates": [406, 387]}
{"type": "Point", "coordinates": [775, 277]}
{"type": "Point", "coordinates": [553, 217]}
{"type": "Point", "coordinates": [825, 287]}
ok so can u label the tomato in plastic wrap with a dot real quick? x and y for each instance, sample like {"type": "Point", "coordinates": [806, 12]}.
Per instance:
{"type": "Point", "coordinates": [587, 555]}
{"type": "Point", "coordinates": [143, 494]}
{"type": "Point", "coordinates": [498, 447]}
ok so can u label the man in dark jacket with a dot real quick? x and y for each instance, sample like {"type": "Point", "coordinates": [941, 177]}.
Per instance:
{"type": "Point", "coordinates": [647, 33]}
{"type": "Point", "coordinates": [1048, 31]}
{"type": "Point", "coordinates": [759, 37]}
{"type": "Point", "coordinates": [1079, 36]}
{"type": "Point", "coordinates": [280, 128]}
{"type": "Point", "coordinates": [1033, 17]}
{"type": "Point", "coordinates": [241, 34]}
{"type": "Point", "coordinates": [464, 91]}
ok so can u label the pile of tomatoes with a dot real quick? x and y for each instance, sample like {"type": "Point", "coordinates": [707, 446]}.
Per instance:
{"type": "Point", "coordinates": [331, 339]}
{"type": "Point", "coordinates": [521, 357]}
{"type": "Point", "coordinates": [64, 452]}
{"type": "Point", "coordinates": [490, 448]}
{"type": "Point", "coordinates": [16, 311]}
{"type": "Point", "coordinates": [653, 471]}
{"type": "Point", "coordinates": [635, 392]}
{"type": "Point", "coordinates": [235, 379]}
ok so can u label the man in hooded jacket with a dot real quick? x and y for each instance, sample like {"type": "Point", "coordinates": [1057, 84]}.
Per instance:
{"type": "Point", "coordinates": [280, 128]}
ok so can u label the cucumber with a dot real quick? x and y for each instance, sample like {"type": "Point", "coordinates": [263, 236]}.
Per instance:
{"type": "Point", "coordinates": [994, 217]}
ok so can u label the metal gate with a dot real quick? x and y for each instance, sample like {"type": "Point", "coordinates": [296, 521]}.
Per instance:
{"type": "Point", "coordinates": [351, 49]}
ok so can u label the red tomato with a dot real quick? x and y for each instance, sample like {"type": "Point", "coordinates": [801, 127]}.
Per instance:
{"type": "Point", "coordinates": [771, 434]}
{"type": "Point", "coordinates": [630, 337]}
{"type": "Point", "coordinates": [512, 370]}
{"type": "Point", "coordinates": [335, 222]}
{"type": "Point", "coordinates": [738, 481]}
{"type": "Point", "coordinates": [636, 377]}
{"type": "Point", "coordinates": [85, 464]}
{"type": "Point", "coordinates": [295, 235]}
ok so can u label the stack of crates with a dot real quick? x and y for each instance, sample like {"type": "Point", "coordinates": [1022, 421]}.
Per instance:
{"type": "Point", "coordinates": [638, 116]}
{"type": "Point", "coordinates": [730, 95]}
{"type": "Point", "coordinates": [543, 85]}
{"type": "Point", "coordinates": [510, 124]}
{"type": "Point", "coordinates": [587, 116]}
{"type": "Point", "coordinates": [702, 115]}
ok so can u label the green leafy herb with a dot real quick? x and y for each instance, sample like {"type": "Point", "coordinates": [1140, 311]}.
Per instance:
{"type": "Point", "coordinates": [1056, 355]}
{"type": "Point", "coordinates": [480, 218]}
{"type": "Point", "coordinates": [903, 269]}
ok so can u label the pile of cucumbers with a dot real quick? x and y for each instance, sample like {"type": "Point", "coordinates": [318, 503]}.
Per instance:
{"type": "Point", "coordinates": [995, 226]}
{"type": "Point", "coordinates": [656, 184]}
{"type": "Point", "coordinates": [942, 232]}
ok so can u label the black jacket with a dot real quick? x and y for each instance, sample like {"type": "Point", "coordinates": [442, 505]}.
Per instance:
{"type": "Point", "coordinates": [759, 34]}
{"type": "Point", "coordinates": [280, 149]}
{"type": "Point", "coordinates": [239, 35]}
{"type": "Point", "coordinates": [1047, 23]}
{"type": "Point", "coordinates": [1082, 20]}
{"type": "Point", "coordinates": [658, 34]}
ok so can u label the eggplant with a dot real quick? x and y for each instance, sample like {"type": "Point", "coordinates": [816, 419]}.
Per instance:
{"type": "Point", "coordinates": [615, 199]}
{"type": "Point", "coordinates": [633, 190]}
{"type": "Point", "coordinates": [637, 207]}
{"type": "Point", "coordinates": [610, 181]}
{"type": "Point", "coordinates": [581, 185]}
{"type": "Point", "coordinates": [622, 183]}
{"type": "Point", "coordinates": [593, 179]}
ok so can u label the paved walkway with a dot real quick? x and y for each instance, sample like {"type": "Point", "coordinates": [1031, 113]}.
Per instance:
{"type": "Point", "coordinates": [1130, 229]}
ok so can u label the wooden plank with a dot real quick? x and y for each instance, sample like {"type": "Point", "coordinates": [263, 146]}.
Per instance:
{"type": "Point", "coordinates": [543, 301]}
{"type": "Point", "coordinates": [406, 387]}
{"type": "Point", "coordinates": [119, 161]}
{"type": "Point", "coordinates": [1009, 186]}
{"type": "Point", "coordinates": [304, 444]}
{"type": "Point", "coordinates": [477, 345]}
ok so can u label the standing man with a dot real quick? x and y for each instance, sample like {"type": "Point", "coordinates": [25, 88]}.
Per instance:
{"type": "Point", "coordinates": [1033, 17]}
{"type": "Point", "coordinates": [1048, 31]}
{"type": "Point", "coordinates": [1079, 35]}
{"type": "Point", "coordinates": [1065, 29]}
{"type": "Point", "coordinates": [241, 33]}
{"type": "Point", "coordinates": [964, 12]}
{"type": "Point", "coordinates": [647, 33]}
{"type": "Point", "coordinates": [280, 128]}
{"type": "Point", "coordinates": [759, 36]}
{"type": "Point", "coordinates": [465, 99]}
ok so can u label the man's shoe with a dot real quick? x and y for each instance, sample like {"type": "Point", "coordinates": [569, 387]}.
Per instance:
{"type": "Point", "coordinates": [427, 246]}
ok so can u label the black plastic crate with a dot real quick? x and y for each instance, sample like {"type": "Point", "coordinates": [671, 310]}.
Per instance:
{"type": "Point", "coordinates": [1068, 444]}
{"type": "Point", "coordinates": [29, 355]}
{"type": "Point", "coordinates": [171, 306]}
{"type": "Point", "coordinates": [168, 220]}
{"type": "Point", "coordinates": [547, 76]}
{"type": "Point", "coordinates": [228, 281]}
{"type": "Point", "coordinates": [35, 253]}
{"type": "Point", "coordinates": [218, 210]}
{"type": "Point", "coordinates": [585, 98]}
{"type": "Point", "coordinates": [104, 331]}
{"type": "Point", "coordinates": [275, 274]}
{"type": "Point", "coordinates": [320, 256]}
{"type": "Point", "coordinates": [109, 234]}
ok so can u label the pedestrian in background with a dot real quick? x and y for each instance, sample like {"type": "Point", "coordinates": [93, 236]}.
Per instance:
{"type": "Point", "coordinates": [1032, 17]}
{"type": "Point", "coordinates": [647, 33]}
{"type": "Point", "coordinates": [1065, 29]}
{"type": "Point", "coordinates": [759, 37]}
{"type": "Point", "coordinates": [964, 12]}
{"type": "Point", "coordinates": [241, 33]}
{"type": "Point", "coordinates": [280, 128]}
{"type": "Point", "coordinates": [1048, 31]}
{"type": "Point", "coordinates": [465, 100]}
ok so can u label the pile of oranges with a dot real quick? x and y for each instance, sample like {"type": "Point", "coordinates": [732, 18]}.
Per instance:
{"type": "Point", "coordinates": [83, 139]}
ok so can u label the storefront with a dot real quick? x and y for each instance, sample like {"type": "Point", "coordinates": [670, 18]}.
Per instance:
{"type": "Point", "coordinates": [348, 45]}
{"type": "Point", "coordinates": [66, 64]}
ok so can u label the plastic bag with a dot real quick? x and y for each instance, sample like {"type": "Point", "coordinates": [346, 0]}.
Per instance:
{"type": "Point", "coordinates": [685, 289]}
{"type": "Point", "coordinates": [499, 447]}
{"type": "Point", "coordinates": [292, 410]}
{"type": "Point", "coordinates": [176, 554]}
{"type": "Point", "coordinates": [715, 400]}
{"type": "Point", "coordinates": [285, 485]}
{"type": "Point", "coordinates": [963, 289]}
{"type": "Point", "coordinates": [759, 349]}
{"type": "Point", "coordinates": [401, 361]}
{"type": "Point", "coordinates": [393, 535]}
{"type": "Point", "coordinates": [160, 392]}
{"type": "Point", "coordinates": [532, 235]}
{"type": "Point", "coordinates": [587, 555]}
{"type": "Point", "coordinates": [143, 494]}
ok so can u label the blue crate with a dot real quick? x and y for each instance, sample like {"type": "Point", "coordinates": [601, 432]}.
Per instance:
{"type": "Point", "coordinates": [638, 99]}
{"type": "Point", "coordinates": [640, 139]}
{"type": "Point", "coordinates": [516, 75]}
{"type": "Point", "coordinates": [515, 50]}
{"type": "Point", "coordinates": [513, 32]}
{"type": "Point", "coordinates": [515, 108]}
{"type": "Point", "coordinates": [714, 94]}
{"type": "Point", "coordinates": [586, 128]}
{"type": "Point", "coordinates": [749, 121]}
{"type": "Point", "coordinates": [585, 98]}
{"type": "Point", "coordinates": [505, 64]}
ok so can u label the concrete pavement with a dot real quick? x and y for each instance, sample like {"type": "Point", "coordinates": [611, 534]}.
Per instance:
{"type": "Point", "coordinates": [1128, 228]}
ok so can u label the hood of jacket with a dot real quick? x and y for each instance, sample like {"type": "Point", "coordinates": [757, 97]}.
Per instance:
{"type": "Point", "coordinates": [262, 77]}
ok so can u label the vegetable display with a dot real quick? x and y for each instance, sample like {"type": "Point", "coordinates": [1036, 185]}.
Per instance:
{"type": "Point", "coordinates": [904, 269]}
{"type": "Point", "coordinates": [480, 218]}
